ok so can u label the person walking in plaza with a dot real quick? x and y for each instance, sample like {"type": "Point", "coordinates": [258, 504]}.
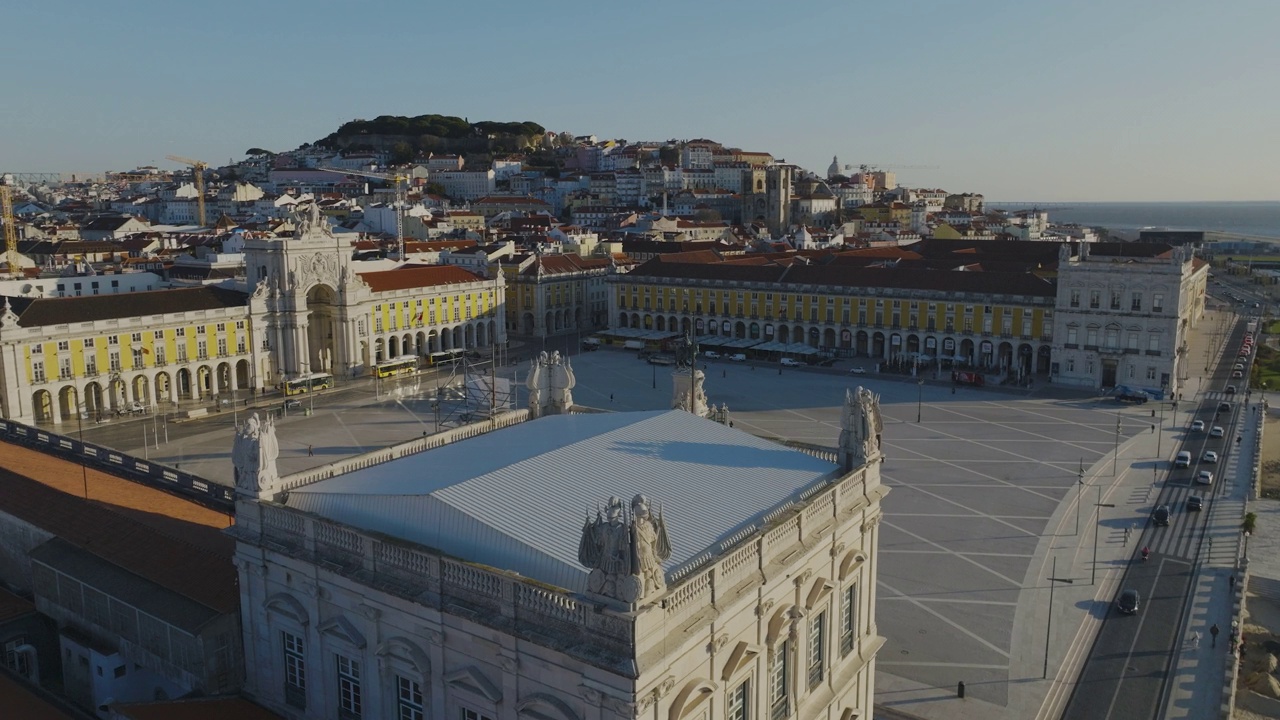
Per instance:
{"type": "Point", "coordinates": [1213, 631]}
{"type": "Point", "coordinates": [310, 451]}
{"type": "Point", "coordinates": [1231, 583]}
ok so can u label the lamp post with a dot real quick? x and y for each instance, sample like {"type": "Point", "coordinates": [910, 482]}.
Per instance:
{"type": "Point", "coordinates": [1246, 544]}
{"type": "Point", "coordinates": [1048, 624]}
{"type": "Point", "coordinates": [655, 375]}
{"type": "Point", "coordinates": [919, 398]}
{"type": "Point", "coordinates": [1079, 490]}
{"type": "Point", "coordinates": [84, 472]}
{"type": "Point", "coordinates": [1115, 457]}
{"type": "Point", "coordinates": [1097, 529]}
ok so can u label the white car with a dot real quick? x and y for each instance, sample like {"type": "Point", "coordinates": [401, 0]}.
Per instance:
{"type": "Point", "coordinates": [738, 357]}
{"type": "Point", "coordinates": [711, 354]}
{"type": "Point", "coordinates": [791, 362]}
{"type": "Point", "coordinates": [1216, 431]}
{"type": "Point", "coordinates": [1197, 426]}
{"type": "Point", "coordinates": [1210, 457]}
{"type": "Point", "coordinates": [137, 408]}
{"type": "Point", "coordinates": [1183, 459]}
{"type": "Point", "coordinates": [1204, 478]}
{"type": "Point", "coordinates": [858, 371]}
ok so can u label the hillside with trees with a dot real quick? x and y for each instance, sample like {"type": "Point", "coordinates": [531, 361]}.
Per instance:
{"type": "Point", "coordinates": [409, 137]}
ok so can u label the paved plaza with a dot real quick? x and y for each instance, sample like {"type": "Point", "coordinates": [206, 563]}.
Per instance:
{"type": "Point", "coordinates": [976, 483]}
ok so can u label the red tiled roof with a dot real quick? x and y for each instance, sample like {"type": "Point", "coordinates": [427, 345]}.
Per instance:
{"type": "Point", "coordinates": [204, 576]}
{"type": "Point", "coordinates": [418, 276]}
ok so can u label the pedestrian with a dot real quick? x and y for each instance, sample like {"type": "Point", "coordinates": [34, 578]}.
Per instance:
{"type": "Point", "coordinates": [1231, 583]}
{"type": "Point", "coordinates": [1213, 631]}
{"type": "Point", "coordinates": [310, 451]}
{"type": "Point", "coordinates": [610, 397]}
{"type": "Point", "coordinates": [1195, 641]}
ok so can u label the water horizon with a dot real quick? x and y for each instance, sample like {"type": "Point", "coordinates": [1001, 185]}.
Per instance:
{"type": "Point", "coordinates": [1258, 219]}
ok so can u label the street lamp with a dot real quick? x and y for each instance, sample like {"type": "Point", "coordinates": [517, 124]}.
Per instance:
{"type": "Point", "coordinates": [919, 397]}
{"type": "Point", "coordinates": [1079, 489]}
{"type": "Point", "coordinates": [1115, 457]}
{"type": "Point", "coordinates": [1053, 580]}
{"type": "Point", "coordinates": [1097, 528]}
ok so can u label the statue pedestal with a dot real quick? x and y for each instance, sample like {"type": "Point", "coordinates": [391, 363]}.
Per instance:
{"type": "Point", "coordinates": [680, 382]}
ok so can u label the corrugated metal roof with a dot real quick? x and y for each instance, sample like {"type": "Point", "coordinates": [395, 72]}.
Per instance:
{"type": "Point", "coordinates": [516, 498]}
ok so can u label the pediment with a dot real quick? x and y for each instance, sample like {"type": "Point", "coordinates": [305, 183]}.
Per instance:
{"type": "Point", "coordinates": [342, 628]}
{"type": "Point", "coordinates": [473, 681]}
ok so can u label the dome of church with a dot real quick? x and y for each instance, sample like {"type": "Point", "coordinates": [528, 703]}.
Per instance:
{"type": "Point", "coordinates": [835, 167]}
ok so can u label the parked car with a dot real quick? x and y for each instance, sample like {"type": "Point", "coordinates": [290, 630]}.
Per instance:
{"type": "Point", "coordinates": [1160, 516]}
{"type": "Point", "coordinates": [1204, 478]}
{"type": "Point", "coordinates": [1216, 431]}
{"type": "Point", "coordinates": [137, 408]}
{"type": "Point", "coordinates": [791, 362]}
{"type": "Point", "coordinates": [738, 357]}
{"type": "Point", "coordinates": [292, 404]}
{"type": "Point", "coordinates": [1182, 459]}
{"type": "Point", "coordinates": [1195, 502]}
{"type": "Point", "coordinates": [857, 371]}
{"type": "Point", "coordinates": [1131, 396]}
{"type": "Point", "coordinates": [1239, 367]}
{"type": "Point", "coordinates": [1210, 457]}
{"type": "Point", "coordinates": [1127, 603]}
{"type": "Point", "coordinates": [1197, 426]}
{"type": "Point", "coordinates": [710, 354]}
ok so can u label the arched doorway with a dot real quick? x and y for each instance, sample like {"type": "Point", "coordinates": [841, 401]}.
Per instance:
{"type": "Point", "coordinates": [421, 343]}
{"type": "Point", "coordinates": [662, 323]}
{"type": "Point", "coordinates": [622, 320]}
{"type": "Point", "coordinates": [164, 387]}
{"type": "Point", "coordinates": [142, 390]}
{"type": "Point", "coordinates": [829, 338]}
{"type": "Point", "coordinates": [457, 339]}
{"type": "Point", "coordinates": [526, 321]}
{"type": "Point", "coordinates": [813, 337]}
{"type": "Point", "coordinates": [966, 352]}
{"type": "Point", "coordinates": [379, 351]}
{"type": "Point", "coordinates": [68, 404]}
{"type": "Point", "coordinates": [322, 326]}
{"type": "Point", "coordinates": [877, 345]}
{"type": "Point", "coordinates": [242, 374]}
{"type": "Point", "coordinates": [42, 406]}
{"type": "Point", "coordinates": [1043, 357]}
{"type": "Point", "coordinates": [224, 378]}
{"type": "Point", "coordinates": [93, 400]}
{"type": "Point", "coordinates": [393, 347]}
{"type": "Point", "coordinates": [482, 337]}
{"type": "Point", "coordinates": [433, 341]}
{"type": "Point", "coordinates": [860, 341]}
{"type": "Point", "coordinates": [469, 335]}
{"type": "Point", "coordinates": [204, 381]}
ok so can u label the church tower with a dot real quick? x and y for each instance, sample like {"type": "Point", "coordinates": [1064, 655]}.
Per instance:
{"type": "Point", "coordinates": [778, 199]}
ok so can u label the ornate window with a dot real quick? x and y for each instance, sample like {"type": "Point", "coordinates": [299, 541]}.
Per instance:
{"type": "Point", "coordinates": [817, 648]}
{"type": "Point", "coordinates": [738, 705]}
{"type": "Point", "coordinates": [295, 671]}
{"type": "Point", "coordinates": [349, 700]}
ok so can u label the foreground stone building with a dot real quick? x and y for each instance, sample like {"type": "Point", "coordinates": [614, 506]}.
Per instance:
{"type": "Point", "coordinates": [502, 575]}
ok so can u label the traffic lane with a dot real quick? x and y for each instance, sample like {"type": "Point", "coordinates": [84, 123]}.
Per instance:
{"type": "Point", "coordinates": [1128, 666]}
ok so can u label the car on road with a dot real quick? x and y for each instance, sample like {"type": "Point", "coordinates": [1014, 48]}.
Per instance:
{"type": "Point", "coordinates": [1182, 459]}
{"type": "Point", "coordinates": [1131, 396]}
{"type": "Point", "coordinates": [292, 404]}
{"type": "Point", "coordinates": [1216, 431]}
{"type": "Point", "coordinates": [711, 355]}
{"type": "Point", "coordinates": [1210, 457]}
{"type": "Point", "coordinates": [1231, 390]}
{"type": "Point", "coordinates": [1127, 603]}
{"type": "Point", "coordinates": [738, 357]}
{"type": "Point", "coordinates": [791, 362]}
{"type": "Point", "coordinates": [1236, 374]}
{"type": "Point", "coordinates": [857, 371]}
{"type": "Point", "coordinates": [1204, 478]}
{"type": "Point", "coordinates": [137, 408]}
{"type": "Point", "coordinates": [1239, 367]}
{"type": "Point", "coordinates": [1195, 502]}
{"type": "Point", "coordinates": [1197, 426]}
{"type": "Point", "coordinates": [1160, 516]}
{"type": "Point", "coordinates": [1224, 407]}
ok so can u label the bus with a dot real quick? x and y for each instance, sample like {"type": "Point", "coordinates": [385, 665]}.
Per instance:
{"type": "Point", "coordinates": [398, 366]}
{"type": "Point", "coordinates": [448, 357]}
{"type": "Point", "coordinates": [308, 383]}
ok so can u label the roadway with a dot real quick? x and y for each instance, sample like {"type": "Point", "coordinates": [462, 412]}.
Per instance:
{"type": "Point", "coordinates": [1128, 670]}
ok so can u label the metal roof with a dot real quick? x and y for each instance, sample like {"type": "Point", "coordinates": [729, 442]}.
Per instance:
{"type": "Point", "coordinates": [516, 498]}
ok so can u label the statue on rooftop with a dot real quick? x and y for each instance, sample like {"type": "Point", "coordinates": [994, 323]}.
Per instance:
{"type": "Point", "coordinates": [625, 551]}
{"type": "Point", "coordinates": [253, 457]}
{"type": "Point", "coordinates": [860, 426]}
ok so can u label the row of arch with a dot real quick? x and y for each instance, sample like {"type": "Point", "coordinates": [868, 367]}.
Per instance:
{"type": "Point", "coordinates": [1031, 357]}
{"type": "Point", "coordinates": [97, 399]}
{"type": "Point", "coordinates": [472, 335]}
{"type": "Point", "coordinates": [555, 321]}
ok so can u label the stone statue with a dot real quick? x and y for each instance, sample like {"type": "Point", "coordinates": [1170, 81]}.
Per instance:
{"type": "Point", "coordinates": [550, 383]}
{"type": "Point", "coordinates": [253, 455]}
{"type": "Point", "coordinates": [1064, 252]}
{"type": "Point", "coordinates": [687, 352]}
{"type": "Point", "coordinates": [625, 553]}
{"type": "Point", "coordinates": [860, 427]}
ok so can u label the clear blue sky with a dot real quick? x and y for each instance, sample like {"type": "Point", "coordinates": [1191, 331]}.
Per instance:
{"type": "Point", "coordinates": [1115, 100]}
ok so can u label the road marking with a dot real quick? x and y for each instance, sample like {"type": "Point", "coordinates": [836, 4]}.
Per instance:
{"type": "Point", "coordinates": [943, 618]}
{"type": "Point", "coordinates": [971, 666]}
{"type": "Point", "coordinates": [1016, 585]}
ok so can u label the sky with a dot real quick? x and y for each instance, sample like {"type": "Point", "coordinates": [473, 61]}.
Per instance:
{"type": "Point", "coordinates": [1039, 101]}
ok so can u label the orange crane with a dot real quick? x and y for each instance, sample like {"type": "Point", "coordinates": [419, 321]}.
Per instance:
{"type": "Point", "coordinates": [197, 169]}
{"type": "Point", "coordinates": [10, 231]}
{"type": "Point", "coordinates": [399, 182]}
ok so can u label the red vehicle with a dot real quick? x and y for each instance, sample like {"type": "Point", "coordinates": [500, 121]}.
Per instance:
{"type": "Point", "coordinates": [961, 377]}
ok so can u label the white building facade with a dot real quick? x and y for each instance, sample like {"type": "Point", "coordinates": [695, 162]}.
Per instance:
{"type": "Point", "coordinates": [490, 623]}
{"type": "Point", "coordinates": [1123, 313]}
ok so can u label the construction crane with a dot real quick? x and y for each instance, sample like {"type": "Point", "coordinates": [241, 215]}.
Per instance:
{"type": "Point", "coordinates": [197, 170]}
{"type": "Point", "coordinates": [10, 231]}
{"type": "Point", "coordinates": [400, 183]}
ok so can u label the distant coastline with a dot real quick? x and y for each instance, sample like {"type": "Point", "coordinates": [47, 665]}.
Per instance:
{"type": "Point", "coordinates": [1245, 219]}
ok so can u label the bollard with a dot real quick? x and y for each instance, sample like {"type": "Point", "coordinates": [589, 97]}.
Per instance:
{"type": "Point", "coordinates": [960, 689]}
